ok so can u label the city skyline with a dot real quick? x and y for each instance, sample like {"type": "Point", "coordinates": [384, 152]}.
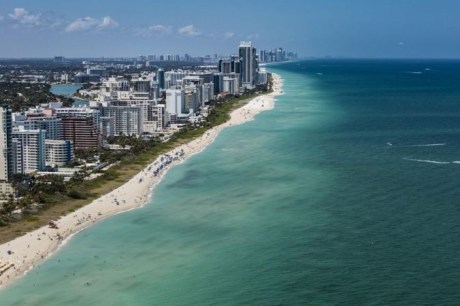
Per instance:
{"type": "Point", "coordinates": [387, 29]}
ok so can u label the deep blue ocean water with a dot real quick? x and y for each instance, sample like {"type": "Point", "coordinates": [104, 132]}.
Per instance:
{"type": "Point", "coordinates": [346, 193]}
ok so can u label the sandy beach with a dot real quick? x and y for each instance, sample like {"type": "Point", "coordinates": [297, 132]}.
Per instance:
{"type": "Point", "coordinates": [20, 255]}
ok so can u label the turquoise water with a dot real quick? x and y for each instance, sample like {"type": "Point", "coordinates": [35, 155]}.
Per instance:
{"type": "Point", "coordinates": [346, 193]}
{"type": "Point", "coordinates": [65, 89]}
{"type": "Point", "coordinates": [68, 90]}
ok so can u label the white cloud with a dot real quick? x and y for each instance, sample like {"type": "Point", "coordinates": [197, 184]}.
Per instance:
{"type": "Point", "coordinates": [21, 16]}
{"type": "Point", "coordinates": [229, 34]}
{"type": "Point", "coordinates": [401, 43]}
{"type": "Point", "coordinates": [90, 23]}
{"type": "Point", "coordinates": [56, 24]}
{"type": "Point", "coordinates": [160, 29]}
{"type": "Point", "coordinates": [108, 22]}
{"type": "Point", "coordinates": [189, 30]}
{"type": "Point", "coordinates": [157, 30]}
{"type": "Point", "coordinates": [82, 24]}
{"type": "Point", "coordinates": [1, 17]}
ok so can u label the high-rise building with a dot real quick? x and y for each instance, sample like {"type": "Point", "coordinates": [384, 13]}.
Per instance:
{"type": "Point", "coordinates": [175, 101]}
{"type": "Point", "coordinates": [231, 84]}
{"type": "Point", "coordinates": [155, 90]}
{"type": "Point", "coordinates": [236, 66]}
{"type": "Point", "coordinates": [175, 77]}
{"type": "Point", "coordinates": [52, 125]}
{"type": "Point", "coordinates": [127, 120]}
{"type": "Point", "coordinates": [6, 137]}
{"type": "Point", "coordinates": [161, 78]}
{"type": "Point", "coordinates": [141, 85]}
{"type": "Point", "coordinates": [207, 93]}
{"type": "Point", "coordinates": [107, 127]}
{"type": "Point", "coordinates": [175, 104]}
{"type": "Point", "coordinates": [191, 99]}
{"type": "Point", "coordinates": [279, 55]}
{"type": "Point", "coordinates": [229, 65]}
{"type": "Point", "coordinates": [38, 118]}
{"type": "Point", "coordinates": [81, 130]}
{"type": "Point", "coordinates": [218, 81]}
{"type": "Point", "coordinates": [160, 116]}
{"type": "Point", "coordinates": [18, 160]}
{"type": "Point", "coordinates": [248, 58]}
{"type": "Point", "coordinates": [262, 56]}
{"type": "Point", "coordinates": [81, 126]}
{"type": "Point", "coordinates": [32, 143]}
{"type": "Point", "coordinates": [225, 65]}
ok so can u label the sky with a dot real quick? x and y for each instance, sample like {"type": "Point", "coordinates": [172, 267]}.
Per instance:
{"type": "Point", "coordinates": [312, 28]}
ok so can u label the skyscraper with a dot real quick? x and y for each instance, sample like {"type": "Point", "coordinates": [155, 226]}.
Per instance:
{"type": "Point", "coordinates": [6, 137]}
{"type": "Point", "coordinates": [161, 78]}
{"type": "Point", "coordinates": [247, 54]}
{"type": "Point", "coordinates": [231, 65]}
{"type": "Point", "coordinates": [218, 81]}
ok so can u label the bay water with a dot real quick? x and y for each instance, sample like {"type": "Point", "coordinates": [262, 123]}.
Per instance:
{"type": "Point", "coordinates": [69, 90]}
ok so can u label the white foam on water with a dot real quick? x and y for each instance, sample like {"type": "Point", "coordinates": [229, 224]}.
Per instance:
{"type": "Point", "coordinates": [427, 161]}
{"type": "Point", "coordinates": [428, 145]}
{"type": "Point", "coordinates": [418, 145]}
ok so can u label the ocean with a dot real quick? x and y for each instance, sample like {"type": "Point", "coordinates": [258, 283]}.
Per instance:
{"type": "Point", "coordinates": [345, 193]}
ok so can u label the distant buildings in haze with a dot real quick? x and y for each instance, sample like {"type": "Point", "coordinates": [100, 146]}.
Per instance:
{"type": "Point", "coordinates": [276, 55]}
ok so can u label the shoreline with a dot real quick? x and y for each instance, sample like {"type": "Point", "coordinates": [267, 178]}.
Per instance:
{"type": "Point", "coordinates": [21, 255]}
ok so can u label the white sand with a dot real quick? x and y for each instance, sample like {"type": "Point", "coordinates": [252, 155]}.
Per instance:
{"type": "Point", "coordinates": [20, 255]}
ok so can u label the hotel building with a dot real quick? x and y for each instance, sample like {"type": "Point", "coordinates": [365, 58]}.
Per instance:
{"type": "Point", "coordinates": [248, 58]}
{"type": "Point", "coordinates": [81, 126]}
{"type": "Point", "coordinates": [58, 152]}
{"type": "Point", "coordinates": [30, 150]}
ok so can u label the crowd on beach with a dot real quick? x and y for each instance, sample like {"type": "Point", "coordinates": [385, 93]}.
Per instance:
{"type": "Point", "coordinates": [165, 160]}
{"type": "Point", "coordinates": [23, 253]}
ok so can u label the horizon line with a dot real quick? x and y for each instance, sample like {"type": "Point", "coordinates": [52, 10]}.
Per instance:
{"type": "Point", "coordinates": [299, 59]}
